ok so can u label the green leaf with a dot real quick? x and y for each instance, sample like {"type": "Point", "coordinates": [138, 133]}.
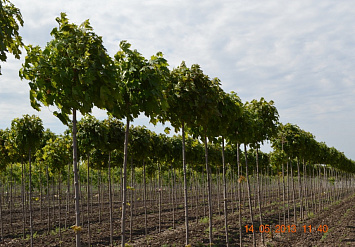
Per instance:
{"type": "Point", "coordinates": [167, 130]}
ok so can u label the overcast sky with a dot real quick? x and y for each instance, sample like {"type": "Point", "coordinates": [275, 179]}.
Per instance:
{"type": "Point", "coordinates": [300, 54]}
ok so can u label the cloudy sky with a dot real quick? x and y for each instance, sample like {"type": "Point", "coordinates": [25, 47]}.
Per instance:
{"type": "Point", "coordinates": [300, 54]}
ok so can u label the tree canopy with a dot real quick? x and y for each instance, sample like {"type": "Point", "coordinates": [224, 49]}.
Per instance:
{"type": "Point", "coordinates": [73, 71]}
{"type": "Point", "coordinates": [10, 22]}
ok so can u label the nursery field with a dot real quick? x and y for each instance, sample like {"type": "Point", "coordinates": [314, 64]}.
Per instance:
{"type": "Point", "coordinates": [159, 220]}
{"type": "Point", "coordinates": [104, 182]}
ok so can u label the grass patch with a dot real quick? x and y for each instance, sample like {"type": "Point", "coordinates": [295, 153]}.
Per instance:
{"type": "Point", "coordinates": [337, 202]}
{"type": "Point", "coordinates": [28, 236]}
{"type": "Point", "coordinates": [347, 212]}
{"type": "Point", "coordinates": [310, 214]}
{"type": "Point", "coordinates": [325, 235]}
{"type": "Point", "coordinates": [204, 220]}
{"type": "Point", "coordinates": [207, 230]}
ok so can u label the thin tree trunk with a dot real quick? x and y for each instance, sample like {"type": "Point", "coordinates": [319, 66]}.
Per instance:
{"type": "Point", "coordinates": [2, 225]}
{"type": "Point", "coordinates": [283, 195]}
{"type": "Point", "coordinates": [173, 195]}
{"type": "Point", "coordinates": [100, 192]}
{"type": "Point", "coordinates": [110, 198]}
{"type": "Point", "coordinates": [67, 206]}
{"type": "Point", "coordinates": [258, 194]}
{"type": "Point", "coordinates": [225, 195]}
{"type": "Point", "coordinates": [300, 192]}
{"type": "Point", "coordinates": [132, 202]}
{"type": "Point", "coordinates": [48, 203]}
{"type": "Point", "coordinates": [185, 186]}
{"type": "Point", "coordinates": [249, 193]}
{"type": "Point", "coordinates": [53, 201]}
{"type": "Point", "coordinates": [23, 200]}
{"type": "Point", "coordinates": [293, 197]}
{"type": "Point", "coordinates": [11, 203]}
{"type": "Point", "coordinates": [124, 187]}
{"type": "Point", "coordinates": [288, 193]}
{"type": "Point", "coordinates": [40, 194]}
{"type": "Point", "coordinates": [239, 198]}
{"type": "Point", "coordinates": [30, 194]}
{"type": "Point", "coordinates": [160, 195]}
{"type": "Point", "coordinates": [76, 183]}
{"type": "Point", "coordinates": [60, 206]}
{"type": "Point", "coordinates": [197, 183]}
{"type": "Point", "coordinates": [209, 191]}
{"type": "Point", "coordinates": [218, 191]}
{"type": "Point", "coordinates": [145, 201]}
{"type": "Point", "coordinates": [88, 199]}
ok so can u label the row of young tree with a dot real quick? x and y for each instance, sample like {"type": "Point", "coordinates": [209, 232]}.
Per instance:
{"type": "Point", "coordinates": [52, 155]}
{"type": "Point", "coordinates": [75, 73]}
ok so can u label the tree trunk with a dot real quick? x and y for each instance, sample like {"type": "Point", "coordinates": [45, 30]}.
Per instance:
{"type": "Point", "coordinates": [185, 186]}
{"type": "Point", "coordinates": [160, 190]}
{"type": "Point", "coordinates": [100, 191]}
{"type": "Point", "coordinates": [76, 183]}
{"type": "Point", "coordinates": [124, 187]}
{"type": "Point", "coordinates": [173, 194]}
{"type": "Point", "coordinates": [288, 193]}
{"type": "Point", "coordinates": [40, 193]}
{"type": "Point", "coordinates": [197, 187]}
{"type": "Point", "coordinates": [11, 203]}
{"type": "Point", "coordinates": [258, 194]}
{"type": "Point", "coordinates": [300, 192]}
{"type": "Point", "coordinates": [249, 193]}
{"type": "Point", "coordinates": [48, 203]}
{"type": "Point", "coordinates": [239, 198]}
{"type": "Point", "coordinates": [110, 198]}
{"type": "Point", "coordinates": [225, 195]}
{"type": "Point", "coordinates": [145, 202]}
{"type": "Point", "coordinates": [67, 206]}
{"type": "Point", "coordinates": [2, 225]}
{"type": "Point", "coordinates": [218, 191]}
{"type": "Point", "coordinates": [293, 196]}
{"type": "Point", "coordinates": [60, 205]}
{"type": "Point", "coordinates": [88, 200]}
{"type": "Point", "coordinates": [23, 196]}
{"type": "Point", "coordinates": [209, 189]}
{"type": "Point", "coordinates": [132, 202]}
{"type": "Point", "coordinates": [30, 193]}
{"type": "Point", "coordinates": [283, 195]}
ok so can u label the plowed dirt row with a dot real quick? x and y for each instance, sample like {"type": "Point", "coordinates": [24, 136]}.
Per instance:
{"type": "Point", "coordinates": [339, 218]}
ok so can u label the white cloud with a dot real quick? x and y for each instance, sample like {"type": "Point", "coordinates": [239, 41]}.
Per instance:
{"type": "Point", "coordinates": [297, 53]}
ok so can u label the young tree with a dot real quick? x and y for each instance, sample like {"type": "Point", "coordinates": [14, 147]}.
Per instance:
{"type": "Point", "coordinates": [181, 114]}
{"type": "Point", "coordinates": [5, 158]}
{"type": "Point", "coordinates": [27, 134]}
{"type": "Point", "coordinates": [10, 21]}
{"type": "Point", "coordinates": [73, 72]}
{"type": "Point", "coordinates": [91, 134]}
{"type": "Point", "coordinates": [140, 149]}
{"type": "Point", "coordinates": [265, 118]}
{"type": "Point", "coordinates": [56, 155]}
{"type": "Point", "coordinates": [207, 94]}
{"type": "Point", "coordinates": [4, 162]}
{"type": "Point", "coordinates": [115, 137]}
{"type": "Point", "coordinates": [142, 84]}
{"type": "Point", "coordinates": [229, 107]}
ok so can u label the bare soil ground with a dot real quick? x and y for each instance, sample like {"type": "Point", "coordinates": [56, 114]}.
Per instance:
{"type": "Point", "coordinates": [339, 219]}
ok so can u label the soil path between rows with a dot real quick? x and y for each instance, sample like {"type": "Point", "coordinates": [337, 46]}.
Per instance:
{"type": "Point", "coordinates": [340, 220]}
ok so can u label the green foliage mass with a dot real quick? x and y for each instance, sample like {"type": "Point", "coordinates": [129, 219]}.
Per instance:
{"type": "Point", "coordinates": [73, 71]}
{"type": "Point", "coordinates": [26, 134]}
{"type": "Point", "coordinates": [10, 39]}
